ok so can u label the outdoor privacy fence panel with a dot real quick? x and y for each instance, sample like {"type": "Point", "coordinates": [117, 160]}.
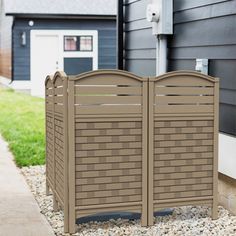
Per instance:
{"type": "Point", "coordinates": [57, 140]}
{"type": "Point", "coordinates": [118, 142]}
{"type": "Point", "coordinates": [109, 151]}
{"type": "Point", "coordinates": [183, 141]}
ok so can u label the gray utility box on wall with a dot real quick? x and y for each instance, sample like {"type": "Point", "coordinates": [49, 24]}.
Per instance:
{"type": "Point", "coordinates": [160, 13]}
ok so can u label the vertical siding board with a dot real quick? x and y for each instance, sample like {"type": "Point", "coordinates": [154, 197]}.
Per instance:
{"type": "Point", "coordinates": [138, 39]}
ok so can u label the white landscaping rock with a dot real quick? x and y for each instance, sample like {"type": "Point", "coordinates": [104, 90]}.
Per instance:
{"type": "Point", "coordinates": [185, 221]}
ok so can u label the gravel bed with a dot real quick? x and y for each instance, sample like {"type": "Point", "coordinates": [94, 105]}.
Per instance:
{"type": "Point", "coordinates": [185, 221]}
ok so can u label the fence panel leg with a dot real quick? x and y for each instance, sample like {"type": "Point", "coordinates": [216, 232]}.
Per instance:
{"type": "Point", "coordinates": [66, 223]}
{"type": "Point", "coordinates": [55, 204]}
{"type": "Point", "coordinates": [47, 189]}
{"type": "Point", "coordinates": [214, 210]}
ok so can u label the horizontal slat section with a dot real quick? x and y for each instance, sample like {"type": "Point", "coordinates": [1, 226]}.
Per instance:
{"type": "Point", "coordinates": [108, 166]}
{"type": "Point", "coordinates": [108, 139]}
{"type": "Point", "coordinates": [184, 91]}
{"type": "Point", "coordinates": [58, 99]}
{"type": "Point", "coordinates": [176, 124]}
{"type": "Point", "coordinates": [183, 175]}
{"type": "Point", "coordinates": [58, 108]}
{"type": "Point", "coordinates": [109, 159]}
{"type": "Point", "coordinates": [111, 186]}
{"type": "Point", "coordinates": [108, 193]}
{"type": "Point", "coordinates": [175, 182]}
{"type": "Point", "coordinates": [117, 199]}
{"type": "Point", "coordinates": [108, 90]}
{"type": "Point", "coordinates": [49, 91]}
{"type": "Point", "coordinates": [107, 180]}
{"type": "Point", "coordinates": [183, 99]}
{"type": "Point", "coordinates": [108, 109]}
{"type": "Point", "coordinates": [186, 202]}
{"type": "Point", "coordinates": [103, 153]}
{"type": "Point", "coordinates": [97, 146]}
{"type": "Point", "coordinates": [183, 149]}
{"type": "Point", "coordinates": [184, 130]}
{"type": "Point", "coordinates": [168, 109]}
{"type": "Point", "coordinates": [58, 91]}
{"type": "Point", "coordinates": [179, 156]}
{"type": "Point", "coordinates": [182, 188]}
{"type": "Point", "coordinates": [183, 143]}
{"type": "Point", "coordinates": [107, 125]}
{"type": "Point", "coordinates": [108, 100]}
{"type": "Point", "coordinates": [49, 106]}
{"type": "Point", "coordinates": [180, 169]}
{"type": "Point", "coordinates": [196, 193]}
{"type": "Point", "coordinates": [97, 132]}
{"type": "Point", "coordinates": [92, 174]}
{"type": "Point", "coordinates": [183, 162]}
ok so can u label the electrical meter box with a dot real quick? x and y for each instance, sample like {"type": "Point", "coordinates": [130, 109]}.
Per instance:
{"type": "Point", "coordinates": [160, 13]}
{"type": "Point", "coordinates": [202, 66]}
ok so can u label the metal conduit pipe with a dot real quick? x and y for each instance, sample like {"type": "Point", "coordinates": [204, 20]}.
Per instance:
{"type": "Point", "coordinates": [161, 51]}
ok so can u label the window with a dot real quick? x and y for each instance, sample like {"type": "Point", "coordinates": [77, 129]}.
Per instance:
{"type": "Point", "coordinates": [78, 43]}
{"type": "Point", "coordinates": [86, 43]}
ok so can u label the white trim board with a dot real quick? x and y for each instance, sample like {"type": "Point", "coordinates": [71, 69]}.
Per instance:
{"type": "Point", "coordinates": [16, 84]}
{"type": "Point", "coordinates": [227, 155]}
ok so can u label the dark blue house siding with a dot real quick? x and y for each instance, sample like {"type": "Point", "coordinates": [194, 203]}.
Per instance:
{"type": "Point", "coordinates": [202, 29]}
{"type": "Point", "coordinates": [106, 41]}
{"type": "Point", "coordinates": [207, 29]}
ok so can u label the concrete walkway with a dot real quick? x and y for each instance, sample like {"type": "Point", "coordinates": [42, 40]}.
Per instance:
{"type": "Point", "coordinates": [19, 212]}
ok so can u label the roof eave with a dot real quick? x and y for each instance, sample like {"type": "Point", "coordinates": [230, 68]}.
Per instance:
{"type": "Point", "coordinates": [60, 16]}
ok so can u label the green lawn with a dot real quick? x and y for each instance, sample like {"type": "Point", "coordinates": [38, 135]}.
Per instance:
{"type": "Point", "coordinates": [22, 126]}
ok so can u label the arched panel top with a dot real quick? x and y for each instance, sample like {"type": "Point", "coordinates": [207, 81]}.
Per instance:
{"type": "Point", "coordinates": [185, 78]}
{"type": "Point", "coordinates": [59, 74]}
{"type": "Point", "coordinates": [48, 81]}
{"type": "Point", "coordinates": [112, 77]}
{"type": "Point", "coordinates": [184, 92]}
{"type": "Point", "coordinates": [108, 92]}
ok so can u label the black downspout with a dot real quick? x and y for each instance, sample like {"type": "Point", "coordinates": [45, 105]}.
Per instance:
{"type": "Point", "coordinates": [120, 35]}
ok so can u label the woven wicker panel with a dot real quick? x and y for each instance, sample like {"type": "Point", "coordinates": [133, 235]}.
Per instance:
{"type": "Point", "coordinates": [183, 159]}
{"type": "Point", "coordinates": [183, 141]}
{"type": "Point", "coordinates": [106, 163]}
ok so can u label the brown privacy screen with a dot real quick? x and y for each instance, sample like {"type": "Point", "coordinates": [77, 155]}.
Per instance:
{"type": "Point", "coordinates": [118, 142]}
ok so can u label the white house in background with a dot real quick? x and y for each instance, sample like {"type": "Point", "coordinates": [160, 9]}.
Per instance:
{"type": "Point", "coordinates": [38, 38]}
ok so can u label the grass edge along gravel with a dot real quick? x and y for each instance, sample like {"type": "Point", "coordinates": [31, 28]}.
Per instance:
{"type": "Point", "coordinates": [22, 125]}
